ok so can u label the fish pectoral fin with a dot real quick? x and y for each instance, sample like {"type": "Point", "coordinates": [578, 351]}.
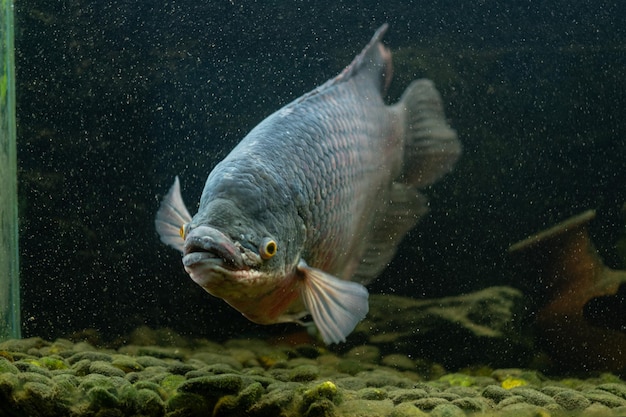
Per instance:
{"type": "Point", "coordinates": [337, 306]}
{"type": "Point", "coordinates": [171, 216]}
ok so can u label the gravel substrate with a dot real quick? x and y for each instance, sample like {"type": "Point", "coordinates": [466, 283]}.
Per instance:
{"type": "Point", "coordinates": [254, 378]}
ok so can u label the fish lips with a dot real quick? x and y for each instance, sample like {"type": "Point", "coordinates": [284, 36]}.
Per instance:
{"type": "Point", "coordinates": [206, 245]}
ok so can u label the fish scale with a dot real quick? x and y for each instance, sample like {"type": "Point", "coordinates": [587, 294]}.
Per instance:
{"type": "Point", "coordinates": [314, 201]}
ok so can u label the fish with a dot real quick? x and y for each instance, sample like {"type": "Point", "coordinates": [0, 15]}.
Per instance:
{"type": "Point", "coordinates": [313, 202]}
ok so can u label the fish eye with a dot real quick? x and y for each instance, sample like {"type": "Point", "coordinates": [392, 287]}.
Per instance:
{"type": "Point", "coordinates": [183, 230]}
{"type": "Point", "coordinates": [268, 248]}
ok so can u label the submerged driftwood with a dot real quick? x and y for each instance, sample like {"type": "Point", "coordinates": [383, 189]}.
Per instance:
{"type": "Point", "coordinates": [479, 327]}
{"type": "Point", "coordinates": [564, 260]}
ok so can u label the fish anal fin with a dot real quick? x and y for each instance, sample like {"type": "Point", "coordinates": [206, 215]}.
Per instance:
{"type": "Point", "coordinates": [172, 214]}
{"type": "Point", "coordinates": [337, 306]}
{"type": "Point", "coordinates": [401, 212]}
{"type": "Point", "coordinates": [431, 146]}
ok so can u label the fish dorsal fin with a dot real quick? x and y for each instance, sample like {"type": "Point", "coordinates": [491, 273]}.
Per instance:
{"type": "Point", "coordinates": [172, 215]}
{"type": "Point", "coordinates": [337, 306]}
{"type": "Point", "coordinates": [375, 59]}
{"type": "Point", "coordinates": [401, 212]}
{"type": "Point", "coordinates": [431, 145]}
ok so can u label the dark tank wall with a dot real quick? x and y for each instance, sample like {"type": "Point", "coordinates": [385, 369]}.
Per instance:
{"type": "Point", "coordinates": [115, 98]}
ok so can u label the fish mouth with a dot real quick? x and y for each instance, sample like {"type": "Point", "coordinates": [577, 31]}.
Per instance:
{"type": "Point", "coordinates": [207, 247]}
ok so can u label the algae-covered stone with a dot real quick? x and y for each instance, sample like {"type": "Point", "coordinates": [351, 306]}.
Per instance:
{"type": "Point", "coordinates": [214, 358]}
{"type": "Point", "coordinates": [407, 410]}
{"type": "Point", "coordinates": [8, 383]}
{"type": "Point", "coordinates": [303, 373]}
{"type": "Point", "coordinates": [399, 361]}
{"type": "Point", "coordinates": [496, 393]}
{"type": "Point", "coordinates": [60, 346]}
{"type": "Point", "coordinates": [364, 353]}
{"type": "Point", "coordinates": [37, 390]}
{"type": "Point", "coordinates": [37, 399]}
{"type": "Point", "coordinates": [372, 394]}
{"type": "Point", "coordinates": [102, 397]}
{"type": "Point", "coordinates": [404, 395]}
{"type": "Point", "coordinates": [213, 386]}
{"type": "Point", "coordinates": [365, 408]}
{"type": "Point", "coordinates": [46, 362]}
{"type": "Point", "coordinates": [571, 400]}
{"type": "Point", "coordinates": [605, 398]}
{"type": "Point", "coordinates": [180, 368]}
{"type": "Point", "coordinates": [450, 396]}
{"type": "Point", "coordinates": [382, 377]}
{"type": "Point", "coordinates": [598, 410]}
{"type": "Point", "coordinates": [614, 388]}
{"type": "Point", "coordinates": [533, 396]}
{"type": "Point", "coordinates": [245, 357]}
{"type": "Point", "coordinates": [149, 361]}
{"type": "Point", "coordinates": [25, 377]}
{"type": "Point", "coordinates": [161, 352]}
{"type": "Point", "coordinates": [250, 394]}
{"type": "Point", "coordinates": [429, 403]}
{"type": "Point", "coordinates": [126, 364]}
{"type": "Point", "coordinates": [7, 367]}
{"type": "Point", "coordinates": [100, 381]}
{"type": "Point", "coordinates": [227, 406]}
{"type": "Point", "coordinates": [524, 410]}
{"type": "Point", "coordinates": [214, 369]}
{"type": "Point", "coordinates": [513, 399]}
{"type": "Point", "coordinates": [263, 380]}
{"type": "Point", "coordinates": [447, 410]}
{"type": "Point", "coordinates": [171, 383]}
{"type": "Point", "coordinates": [282, 375]}
{"type": "Point", "coordinates": [32, 365]}
{"type": "Point", "coordinates": [326, 390]}
{"type": "Point", "coordinates": [350, 366]}
{"type": "Point", "coordinates": [153, 373]}
{"type": "Point", "coordinates": [511, 378]}
{"type": "Point", "coordinates": [458, 379]}
{"type": "Point", "coordinates": [321, 408]}
{"type": "Point", "coordinates": [270, 358]}
{"type": "Point", "coordinates": [187, 404]}
{"type": "Point", "coordinates": [89, 355]}
{"type": "Point", "coordinates": [310, 351]}
{"type": "Point", "coordinates": [67, 384]}
{"type": "Point", "coordinates": [23, 345]}
{"type": "Point", "coordinates": [152, 386]}
{"type": "Point", "coordinates": [81, 368]}
{"type": "Point", "coordinates": [351, 383]}
{"type": "Point", "coordinates": [463, 391]}
{"type": "Point", "coordinates": [105, 368]}
{"type": "Point", "coordinates": [471, 404]}
{"type": "Point", "coordinates": [148, 403]}
{"type": "Point", "coordinates": [274, 403]}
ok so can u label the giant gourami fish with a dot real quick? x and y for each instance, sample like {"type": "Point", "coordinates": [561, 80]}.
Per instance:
{"type": "Point", "coordinates": [311, 205]}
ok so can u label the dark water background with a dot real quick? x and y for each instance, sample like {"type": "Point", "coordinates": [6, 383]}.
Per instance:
{"type": "Point", "coordinates": [117, 97]}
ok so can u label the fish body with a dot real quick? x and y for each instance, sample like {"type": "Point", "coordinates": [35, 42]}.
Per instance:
{"type": "Point", "coordinates": [311, 205]}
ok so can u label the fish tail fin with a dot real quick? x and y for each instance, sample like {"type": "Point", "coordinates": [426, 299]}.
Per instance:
{"type": "Point", "coordinates": [171, 216]}
{"type": "Point", "coordinates": [431, 146]}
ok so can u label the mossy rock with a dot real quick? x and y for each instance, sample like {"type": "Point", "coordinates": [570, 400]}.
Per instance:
{"type": "Point", "coordinates": [188, 404]}
{"type": "Point", "coordinates": [213, 386]}
{"type": "Point", "coordinates": [7, 367]}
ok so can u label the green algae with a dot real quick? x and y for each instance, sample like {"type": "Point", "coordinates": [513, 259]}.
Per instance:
{"type": "Point", "coordinates": [89, 384]}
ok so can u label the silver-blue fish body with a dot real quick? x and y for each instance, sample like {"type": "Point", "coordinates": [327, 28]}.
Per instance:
{"type": "Point", "coordinates": [313, 202]}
